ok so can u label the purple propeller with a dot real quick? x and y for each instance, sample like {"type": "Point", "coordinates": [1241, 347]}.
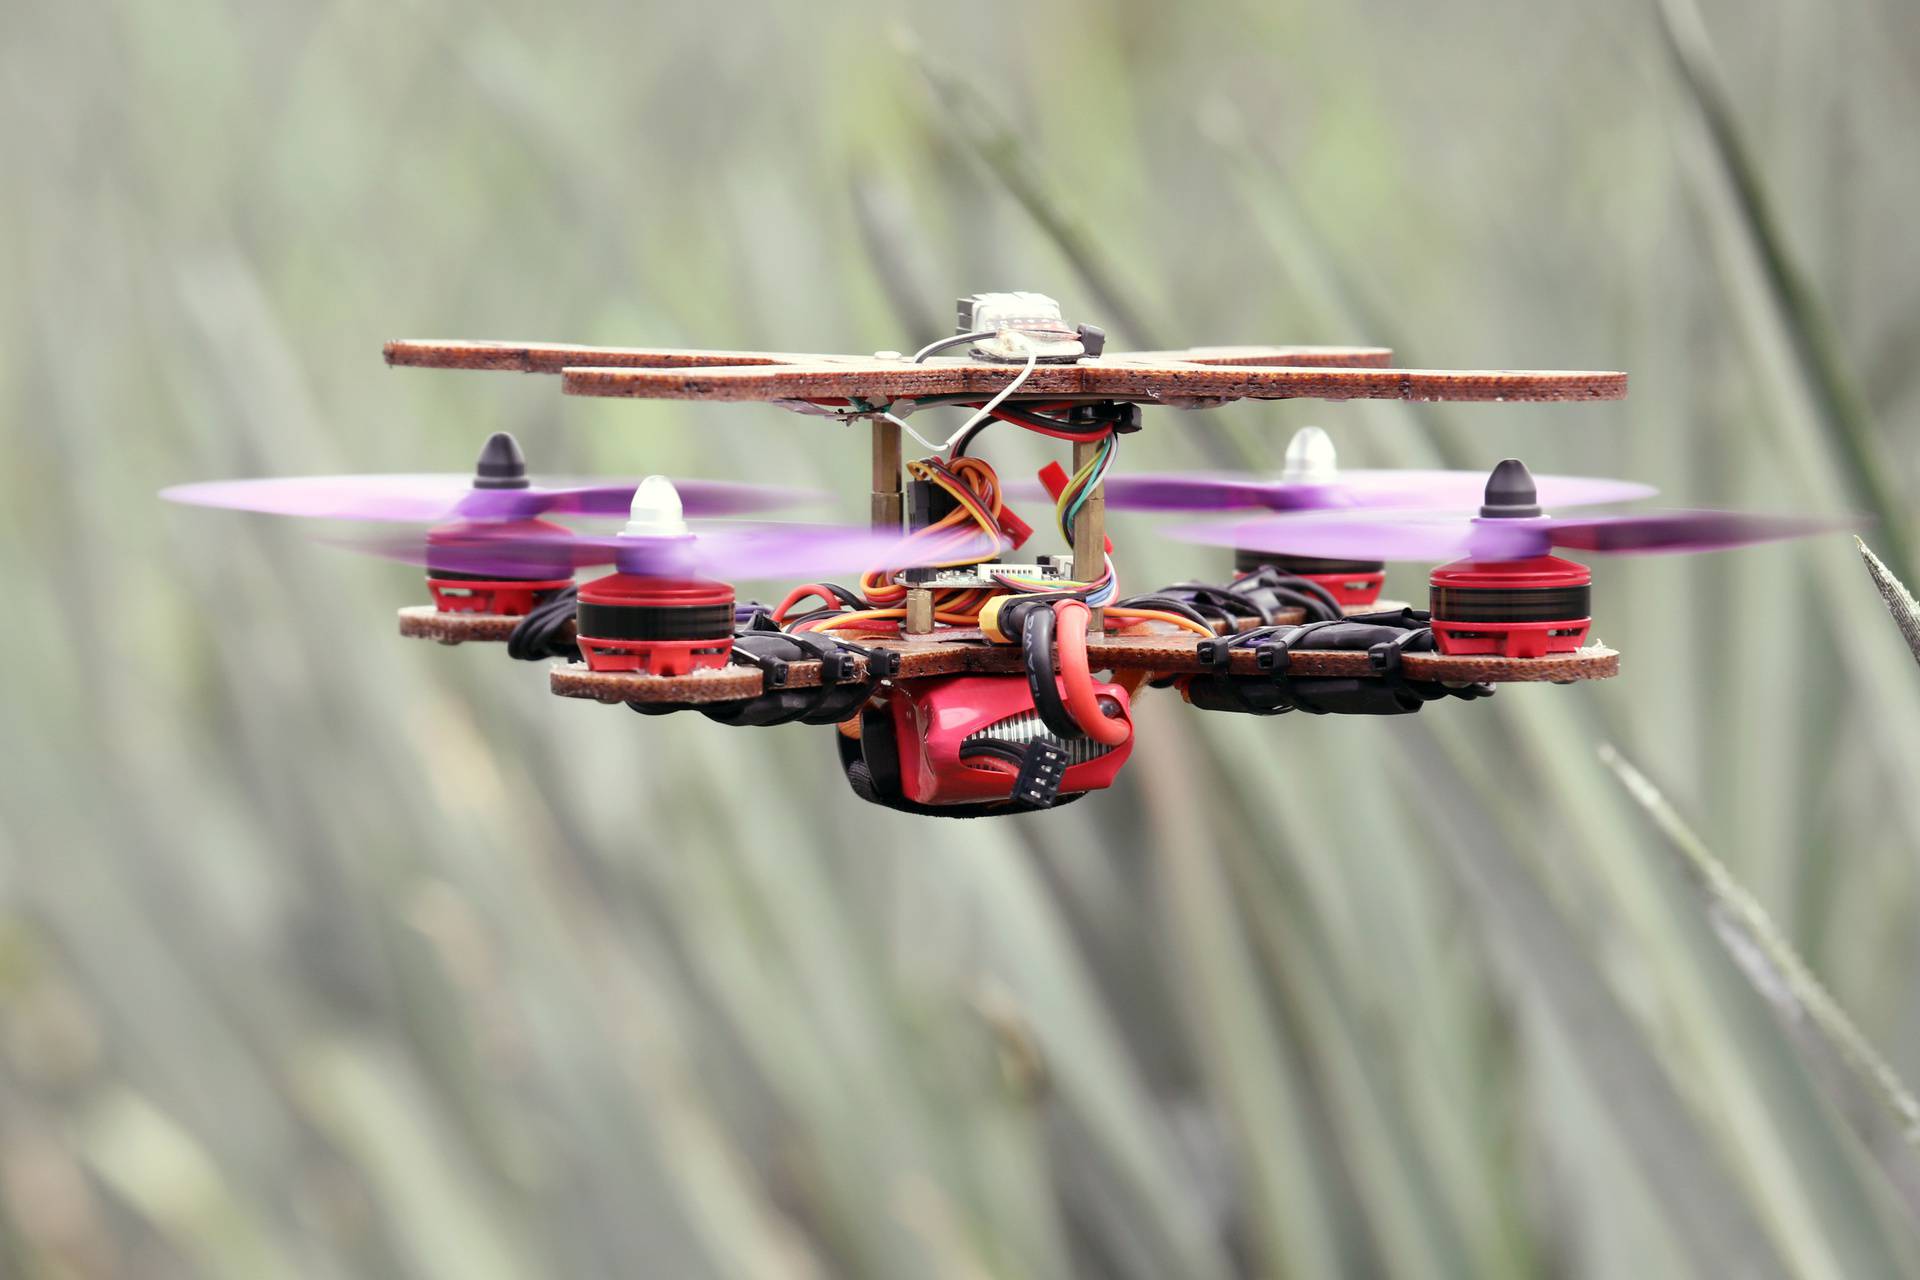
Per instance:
{"type": "Point", "coordinates": [498, 490]}
{"type": "Point", "coordinates": [1206, 491]}
{"type": "Point", "coordinates": [1312, 481]}
{"type": "Point", "coordinates": [729, 551]}
{"type": "Point", "coordinates": [1510, 526]}
{"type": "Point", "coordinates": [1434, 536]}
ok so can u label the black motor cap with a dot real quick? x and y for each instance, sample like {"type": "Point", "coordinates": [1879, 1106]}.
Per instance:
{"type": "Point", "coordinates": [501, 465]}
{"type": "Point", "coordinates": [1510, 493]}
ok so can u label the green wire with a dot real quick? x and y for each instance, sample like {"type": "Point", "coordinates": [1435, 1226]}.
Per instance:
{"type": "Point", "coordinates": [1081, 485]}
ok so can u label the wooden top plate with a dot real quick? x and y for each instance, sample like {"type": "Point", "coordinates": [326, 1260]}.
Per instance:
{"type": "Point", "coordinates": [1198, 377]}
{"type": "Point", "coordinates": [552, 357]}
{"type": "Point", "coordinates": [880, 382]}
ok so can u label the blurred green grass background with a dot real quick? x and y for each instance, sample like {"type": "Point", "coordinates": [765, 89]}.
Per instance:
{"type": "Point", "coordinates": [325, 954]}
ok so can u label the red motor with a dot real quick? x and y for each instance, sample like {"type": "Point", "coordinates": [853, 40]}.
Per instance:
{"type": "Point", "coordinates": [455, 592]}
{"type": "Point", "coordinates": [1350, 582]}
{"type": "Point", "coordinates": [501, 466]}
{"type": "Point", "coordinates": [657, 625]}
{"type": "Point", "coordinates": [945, 730]}
{"type": "Point", "coordinates": [1511, 608]}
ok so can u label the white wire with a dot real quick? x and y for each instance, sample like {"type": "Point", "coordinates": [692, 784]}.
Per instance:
{"type": "Point", "coordinates": [1105, 595]}
{"type": "Point", "coordinates": [902, 424]}
{"type": "Point", "coordinates": [941, 344]}
{"type": "Point", "coordinates": [980, 415]}
{"type": "Point", "coordinates": [986, 410]}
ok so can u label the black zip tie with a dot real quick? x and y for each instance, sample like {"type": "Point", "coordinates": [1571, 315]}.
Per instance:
{"type": "Point", "coordinates": [881, 663]}
{"type": "Point", "coordinates": [773, 671]}
{"type": "Point", "coordinates": [1218, 652]}
{"type": "Point", "coordinates": [836, 663]}
{"type": "Point", "coordinates": [1384, 657]}
{"type": "Point", "coordinates": [1276, 656]}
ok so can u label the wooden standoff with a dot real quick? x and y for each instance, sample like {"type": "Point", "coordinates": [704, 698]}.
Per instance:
{"type": "Point", "coordinates": [919, 612]}
{"type": "Point", "coordinates": [1090, 531]}
{"type": "Point", "coordinates": [888, 509]}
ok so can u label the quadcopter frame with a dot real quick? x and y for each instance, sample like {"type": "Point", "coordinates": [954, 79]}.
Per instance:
{"type": "Point", "coordinates": [918, 747]}
{"type": "Point", "coordinates": [855, 386]}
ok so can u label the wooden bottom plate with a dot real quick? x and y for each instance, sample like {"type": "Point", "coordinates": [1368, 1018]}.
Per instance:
{"type": "Point", "coordinates": [1156, 654]}
{"type": "Point", "coordinates": [424, 622]}
{"type": "Point", "coordinates": [959, 652]}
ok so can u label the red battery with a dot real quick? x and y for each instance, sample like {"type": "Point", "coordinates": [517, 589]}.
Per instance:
{"type": "Point", "coordinates": [933, 721]}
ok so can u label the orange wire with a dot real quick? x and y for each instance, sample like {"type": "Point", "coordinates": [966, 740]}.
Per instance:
{"type": "Point", "coordinates": [975, 487]}
{"type": "Point", "coordinates": [1159, 615]}
{"type": "Point", "coordinates": [865, 617]}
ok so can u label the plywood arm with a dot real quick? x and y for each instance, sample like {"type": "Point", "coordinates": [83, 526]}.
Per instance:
{"type": "Point", "coordinates": [1114, 378]}
{"type": "Point", "coordinates": [552, 357]}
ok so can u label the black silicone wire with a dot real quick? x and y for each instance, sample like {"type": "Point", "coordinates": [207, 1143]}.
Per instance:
{"type": "Point", "coordinates": [1036, 651]}
{"type": "Point", "coordinates": [538, 635]}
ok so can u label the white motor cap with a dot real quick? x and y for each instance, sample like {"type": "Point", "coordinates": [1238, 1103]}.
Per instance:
{"type": "Point", "coordinates": [656, 511]}
{"type": "Point", "coordinates": [1310, 458]}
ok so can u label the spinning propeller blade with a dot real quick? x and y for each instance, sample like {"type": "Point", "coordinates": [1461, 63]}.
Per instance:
{"type": "Point", "coordinates": [1415, 490]}
{"type": "Point", "coordinates": [1310, 480]}
{"type": "Point", "coordinates": [498, 490]}
{"type": "Point", "coordinates": [1510, 526]}
{"type": "Point", "coordinates": [1433, 536]}
{"type": "Point", "coordinates": [730, 551]}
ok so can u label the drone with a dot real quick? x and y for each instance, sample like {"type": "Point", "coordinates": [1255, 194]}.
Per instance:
{"type": "Point", "coordinates": [960, 674]}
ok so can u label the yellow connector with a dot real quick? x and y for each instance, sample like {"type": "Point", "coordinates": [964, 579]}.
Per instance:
{"type": "Point", "coordinates": [990, 620]}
